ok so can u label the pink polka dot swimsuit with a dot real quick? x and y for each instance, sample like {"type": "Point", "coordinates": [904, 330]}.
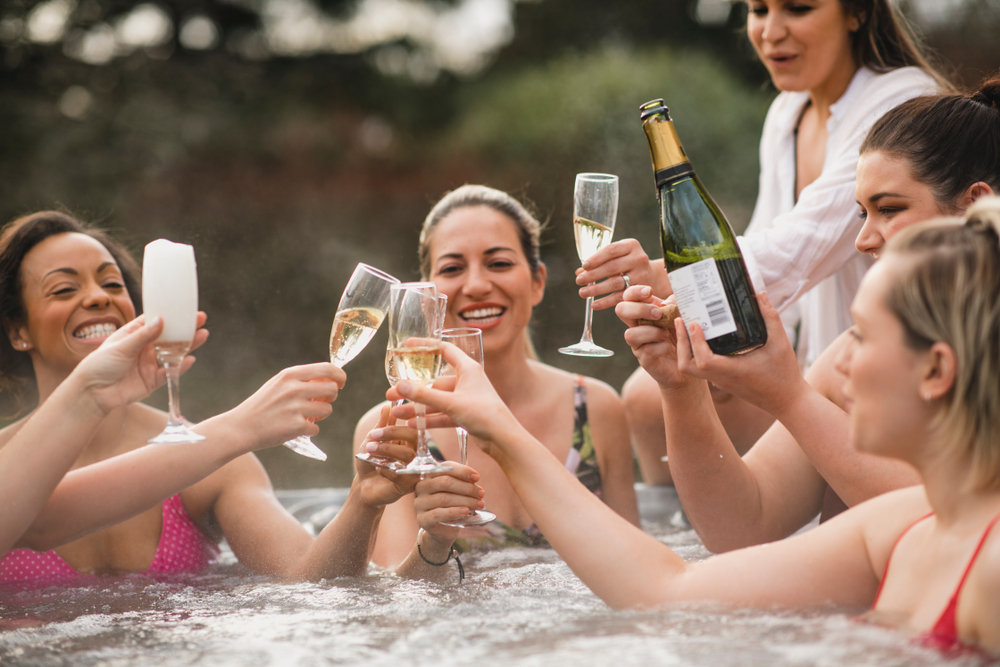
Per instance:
{"type": "Point", "coordinates": [182, 548]}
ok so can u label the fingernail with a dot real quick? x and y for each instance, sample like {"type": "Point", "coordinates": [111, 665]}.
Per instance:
{"type": "Point", "coordinates": [376, 434]}
{"type": "Point", "coordinates": [655, 313]}
{"type": "Point", "coordinates": [153, 321]}
{"type": "Point", "coordinates": [474, 476]}
{"type": "Point", "coordinates": [481, 505]}
{"type": "Point", "coordinates": [646, 290]}
{"type": "Point", "coordinates": [372, 447]}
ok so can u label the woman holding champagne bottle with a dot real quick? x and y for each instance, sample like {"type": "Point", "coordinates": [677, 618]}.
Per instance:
{"type": "Point", "coordinates": [929, 156]}
{"type": "Point", "coordinates": [66, 289]}
{"type": "Point", "coordinates": [839, 64]}
{"type": "Point", "coordinates": [481, 248]}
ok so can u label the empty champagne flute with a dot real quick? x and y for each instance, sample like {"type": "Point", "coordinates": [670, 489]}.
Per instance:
{"type": "Point", "coordinates": [415, 336]}
{"type": "Point", "coordinates": [363, 306]}
{"type": "Point", "coordinates": [170, 291]}
{"type": "Point", "coordinates": [470, 341]}
{"type": "Point", "coordinates": [595, 207]}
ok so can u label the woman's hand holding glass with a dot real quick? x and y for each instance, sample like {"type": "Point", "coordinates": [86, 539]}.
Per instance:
{"type": "Point", "coordinates": [362, 307]}
{"type": "Point", "coordinates": [415, 334]}
{"type": "Point", "coordinates": [124, 368]}
{"type": "Point", "coordinates": [288, 404]}
{"type": "Point", "coordinates": [604, 273]}
{"type": "Point", "coordinates": [466, 399]}
{"type": "Point", "coordinates": [470, 341]}
{"type": "Point", "coordinates": [447, 496]}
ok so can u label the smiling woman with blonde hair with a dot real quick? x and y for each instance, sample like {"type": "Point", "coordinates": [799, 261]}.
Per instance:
{"type": "Point", "coordinates": [480, 246]}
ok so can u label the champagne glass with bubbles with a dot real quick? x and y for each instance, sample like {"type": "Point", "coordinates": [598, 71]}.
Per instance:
{"type": "Point", "coordinates": [363, 306]}
{"type": "Point", "coordinates": [390, 375]}
{"type": "Point", "coordinates": [595, 207]}
{"type": "Point", "coordinates": [170, 291]}
{"type": "Point", "coordinates": [470, 341]}
{"type": "Point", "coordinates": [415, 336]}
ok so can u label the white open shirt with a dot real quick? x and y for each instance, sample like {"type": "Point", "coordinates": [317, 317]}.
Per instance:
{"type": "Point", "coordinates": [802, 253]}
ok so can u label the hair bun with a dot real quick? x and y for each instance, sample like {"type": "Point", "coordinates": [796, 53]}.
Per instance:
{"type": "Point", "coordinates": [989, 93]}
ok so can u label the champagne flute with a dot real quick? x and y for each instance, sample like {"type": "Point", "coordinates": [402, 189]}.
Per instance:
{"type": "Point", "coordinates": [415, 336]}
{"type": "Point", "coordinates": [362, 308]}
{"type": "Point", "coordinates": [595, 207]}
{"type": "Point", "coordinates": [390, 375]}
{"type": "Point", "coordinates": [470, 341]}
{"type": "Point", "coordinates": [170, 291]}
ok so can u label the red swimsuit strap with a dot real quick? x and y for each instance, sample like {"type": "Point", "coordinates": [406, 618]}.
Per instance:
{"type": "Point", "coordinates": [885, 573]}
{"type": "Point", "coordinates": [972, 561]}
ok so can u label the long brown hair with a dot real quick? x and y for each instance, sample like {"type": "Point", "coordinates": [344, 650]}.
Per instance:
{"type": "Point", "coordinates": [17, 239]}
{"type": "Point", "coordinates": [949, 142]}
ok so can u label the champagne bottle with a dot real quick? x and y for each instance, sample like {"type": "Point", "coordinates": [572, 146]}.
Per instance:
{"type": "Point", "coordinates": [703, 261]}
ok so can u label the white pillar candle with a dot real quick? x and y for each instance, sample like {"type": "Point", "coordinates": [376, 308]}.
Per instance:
{"type": "Point", "coordinates": [170, 289]}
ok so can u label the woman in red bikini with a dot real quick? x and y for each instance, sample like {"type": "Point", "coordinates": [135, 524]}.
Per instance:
{"type": "Point", "coordinates": [59, 281]}
{"type": "Point", "coordinates": [922, 388]}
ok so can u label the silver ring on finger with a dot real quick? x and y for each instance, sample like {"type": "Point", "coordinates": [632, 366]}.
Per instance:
{"type": "Point", "coordinates": [627, 283]}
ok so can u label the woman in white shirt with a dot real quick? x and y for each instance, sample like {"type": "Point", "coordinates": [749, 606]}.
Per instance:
{"type": "Point", "coordinates": [840, 65]}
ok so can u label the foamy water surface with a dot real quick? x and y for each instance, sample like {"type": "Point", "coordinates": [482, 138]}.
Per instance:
{"type": "Point", "coordinates": [516, 607]}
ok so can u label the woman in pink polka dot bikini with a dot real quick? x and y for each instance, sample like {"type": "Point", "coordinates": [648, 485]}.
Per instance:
{"type": "Point", "coordinates": [65, 290]}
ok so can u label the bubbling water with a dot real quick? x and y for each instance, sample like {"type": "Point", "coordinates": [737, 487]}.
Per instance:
{"type": "Point", "coordinates": [519, 606]}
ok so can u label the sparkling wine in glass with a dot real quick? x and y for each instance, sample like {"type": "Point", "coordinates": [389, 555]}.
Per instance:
{"type": "Point", "coordinates": [390, 375]}
{"type": "Point", "coordinates": [595, 207]}
{"type": "Point", "coordinates": [470, 341]}
{"type": "Point", "coordinates": [363, 306]}
{"type": "Point", "coordinates": [415, 336]}
{"type": "Point", "coordinates": [170, 291]}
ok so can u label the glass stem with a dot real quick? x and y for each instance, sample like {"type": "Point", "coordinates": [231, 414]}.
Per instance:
{"type": "Point", "coordinates": [422, 448]}
{"type": "Point", "coordinates": [172, 365]}
{"type": "Point", "coordinates": [463, 445]}
{"type": "Point", "coordinates": [587, 318]}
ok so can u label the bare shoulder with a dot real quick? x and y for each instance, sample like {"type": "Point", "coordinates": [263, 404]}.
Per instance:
{"type": "Point", "coordinates": [824, 376]}
{"type": "Point", "coordinates": [884, 518]}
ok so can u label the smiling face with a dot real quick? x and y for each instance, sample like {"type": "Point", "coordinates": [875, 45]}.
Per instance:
{"type": "Point", "coordinates": [890, 200]}
{"type": "Point", "coordinates": [477, 260]}
{"type": "Point", "coordinates": [884, 373]}
{"type": "Point", "coordinates": [74, 297]}
{"type": "Point", "coordinates": [805, 44]}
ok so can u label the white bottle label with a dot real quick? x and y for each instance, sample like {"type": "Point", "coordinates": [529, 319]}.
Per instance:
{"type": "Point", "coordinates": [701, 298]}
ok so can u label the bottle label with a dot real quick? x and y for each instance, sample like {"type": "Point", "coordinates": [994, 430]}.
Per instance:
{"type": "Point", "coordinates": [701, 298]}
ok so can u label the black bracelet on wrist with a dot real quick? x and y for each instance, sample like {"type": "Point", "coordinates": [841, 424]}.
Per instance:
{"type": "Point", "coordinates": [452, 552]}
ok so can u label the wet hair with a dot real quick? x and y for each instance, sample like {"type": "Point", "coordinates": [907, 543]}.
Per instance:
{"type": "Point", "coordinates": [949, 291]}
{"type": "Point", "coordinates": [16, 240]}
{"type": "Point", "coordinates": [529, 230]}
{"type": "Point", "coordinates": [885, 41]}
{"type": "Point", "coordinates": [950, 142]}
